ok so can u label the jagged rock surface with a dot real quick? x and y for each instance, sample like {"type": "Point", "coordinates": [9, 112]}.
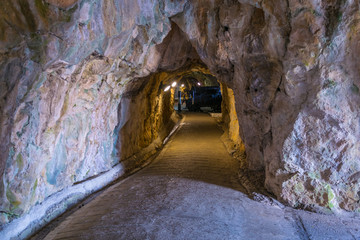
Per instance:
{"type": "Point", "coordinates": [65, 66]}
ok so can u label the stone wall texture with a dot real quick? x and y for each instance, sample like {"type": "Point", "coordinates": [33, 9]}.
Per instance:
{"type": "Point", "coordinates": [67, 69]}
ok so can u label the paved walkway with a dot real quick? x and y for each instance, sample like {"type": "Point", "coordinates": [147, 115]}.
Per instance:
{"type": "Point", "coordinates": [191, 191]}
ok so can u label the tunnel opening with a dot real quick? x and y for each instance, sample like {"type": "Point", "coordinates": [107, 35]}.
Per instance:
{"type": "Point", "coordinates": [149, 110]}
{"type": "Point", "coordinates": [92, 139]}
{"type": "Point", "coordinates": [151, 106]}
{"type": "Point", "coordinates": [197, 92]}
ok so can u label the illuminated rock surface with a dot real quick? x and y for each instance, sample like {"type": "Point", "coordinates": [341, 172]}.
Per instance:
{"type": "Point", "coordinates": [78, 90]}
{"type": "Point", "coordinates": [191, 191]}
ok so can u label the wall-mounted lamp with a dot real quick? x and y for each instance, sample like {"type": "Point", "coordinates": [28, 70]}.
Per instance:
{"type": "Point", "coordinates": [199, 83]}
{"type": "Point", "coordinates": [167, 89]}
{"type": "Point", "coordinates": [173, 84]}
{"type": "Point", "coordinates": [182, 85]}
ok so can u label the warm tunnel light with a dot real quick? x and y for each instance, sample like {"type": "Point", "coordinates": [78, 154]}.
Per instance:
{"type": "Point", "coordinates": [173, 84]}
{"type": "Point", "coordinates": [167, 88]}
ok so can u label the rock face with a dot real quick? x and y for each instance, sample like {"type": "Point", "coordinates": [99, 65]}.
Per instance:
{"type": "Point", "coordinates": [74, 75]}
{"type": "Point", "coordinates": [65, 97]}
{"type": "Point", "coordinates": [231, 137]}
{"type": "Point", "coordinates": [291, 68]}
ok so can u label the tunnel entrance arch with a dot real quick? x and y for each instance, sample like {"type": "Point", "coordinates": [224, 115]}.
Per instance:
{"type": "Point", "coordinates": [148, 107]}
{"type": "Point", "coordinates": [149, 110]}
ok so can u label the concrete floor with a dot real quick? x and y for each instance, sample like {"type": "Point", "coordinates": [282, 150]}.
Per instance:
{"type": "Point", "coordinates": [191, 191]}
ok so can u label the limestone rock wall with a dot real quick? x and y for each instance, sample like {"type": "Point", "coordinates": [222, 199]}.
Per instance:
{"type": "Point", "coordinates": [231, 127]}
{"type": "Point", "coordinates": [145, 115]}
{"type": "Point", "coordinates": [292, 65]}
{"type": "Point", "coordinates": [292, 68]}
{"type": "Point", "coordinates": [64, 69]}
{"type": "Point", "coordinates": [322, 152]}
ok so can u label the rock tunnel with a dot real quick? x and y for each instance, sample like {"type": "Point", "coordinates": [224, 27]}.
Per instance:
{"type": "Point", "coordinates": [82, 97]}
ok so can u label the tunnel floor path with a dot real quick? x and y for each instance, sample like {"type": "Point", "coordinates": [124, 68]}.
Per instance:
{"type": "Point", "coordinates": [191, 191]}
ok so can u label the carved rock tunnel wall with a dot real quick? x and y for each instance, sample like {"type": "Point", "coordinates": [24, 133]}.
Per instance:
{"type": "Point", "coordinates": [71, 69]}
